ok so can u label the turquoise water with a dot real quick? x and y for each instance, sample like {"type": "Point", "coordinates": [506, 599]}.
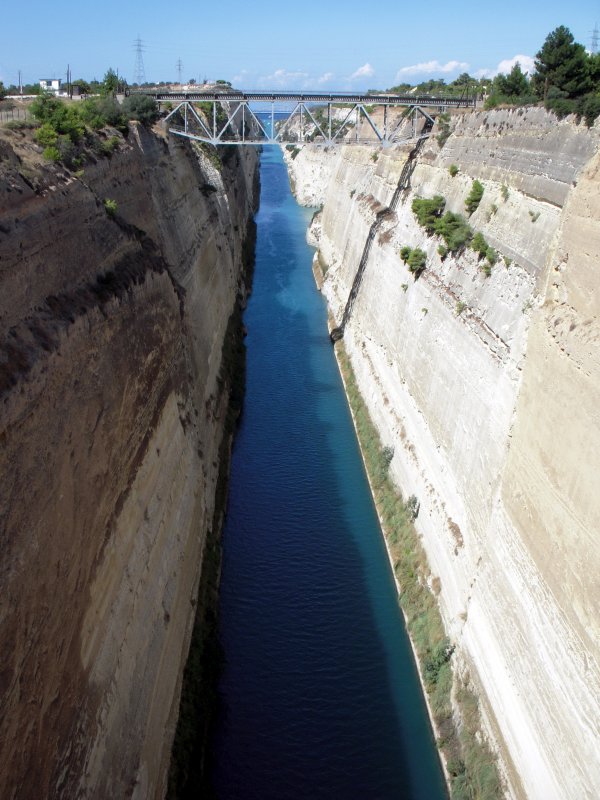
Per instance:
{"type": "Point", "coordinates": [319, 697]}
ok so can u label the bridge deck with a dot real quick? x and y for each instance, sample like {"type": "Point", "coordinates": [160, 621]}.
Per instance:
{"type": "Point", "coordinates": [313, 97]}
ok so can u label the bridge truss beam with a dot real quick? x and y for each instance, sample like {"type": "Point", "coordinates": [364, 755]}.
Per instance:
{"type": "Point", "coordinates": [220, 121]}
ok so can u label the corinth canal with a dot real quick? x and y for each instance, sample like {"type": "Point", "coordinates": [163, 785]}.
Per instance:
{"type": "Point", "coordinates": [319, 697]}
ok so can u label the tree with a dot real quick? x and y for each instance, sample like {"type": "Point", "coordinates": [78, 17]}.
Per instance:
{"type": "Point", "coordinates": [464, 79]}
{"type": "Point", "coordinates": [110, 82]}
{"type": "Point", "coordinates": [562, 65]}
{"type": "Point", "coordinates": [2, 91]}
{"type": "Point", "coordinates": [84, 86]}
{"type": "Point", "coordinates": [514, 84]}
{"type": "Point", "coordinates": [594, 68]}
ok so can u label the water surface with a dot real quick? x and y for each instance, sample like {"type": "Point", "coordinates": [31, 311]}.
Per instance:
{"type": "Point", "coordinates": [319, 697]}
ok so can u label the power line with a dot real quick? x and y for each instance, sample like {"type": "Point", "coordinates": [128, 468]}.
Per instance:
{"type": "Point", "coordinates": [139, 73]}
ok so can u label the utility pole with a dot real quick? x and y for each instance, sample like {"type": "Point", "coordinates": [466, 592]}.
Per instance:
{"type": "Point", "coordinates": [20, 83]}
{"type": "Point", "coordinates": [179, 66]}
{"type": "Point", "coordinates": [139, 74]}
{"type": "Point", "coordinates": [595, 38]}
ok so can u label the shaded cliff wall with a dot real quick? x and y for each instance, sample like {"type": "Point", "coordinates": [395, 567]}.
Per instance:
{"type": "Point", "coordinates": [487, 389]}
{"type": "Point", "coordinates": [112, 414]}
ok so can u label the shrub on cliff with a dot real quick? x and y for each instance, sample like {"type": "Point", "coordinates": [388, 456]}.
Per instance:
{"type": "Point", "coordinates": [142, 108]}
{"type": "Point", "coordinates": [64, 119]}
{"type": "Point", "coordinates": [97, 112]}
{"type": "Point", "coordinates": [479, 244]}
{"type": "Point", "coordinates": [46, 135]}
{"type": "Point", "coordinates": [417, 261]}
{"type": "Point", "coordinates": [443, 123]}
{"type": "Point", "coordinates": [427, 211]}
{"type": "Point", "coordinates": [474, 197]}
{"type": "Point", "coordinates": [110, 206]}
{"type": "Point", "coordinates": [455, 230]}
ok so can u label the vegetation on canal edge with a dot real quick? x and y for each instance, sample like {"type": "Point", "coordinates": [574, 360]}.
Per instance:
{"type": "Point", "coordinates": [471, 765]}
{"type": "Point", "coordinates": [566, 79]}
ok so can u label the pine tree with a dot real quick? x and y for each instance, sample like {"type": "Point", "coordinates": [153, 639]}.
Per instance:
{"type": "Point", "coordinates": [561, 66]}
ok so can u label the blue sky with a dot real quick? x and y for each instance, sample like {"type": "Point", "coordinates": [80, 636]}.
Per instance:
{"type": "Point", "coordinates": [302, 45]}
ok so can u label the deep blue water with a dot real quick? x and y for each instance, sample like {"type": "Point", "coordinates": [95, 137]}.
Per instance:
{"type": "Point", "coordinates": [319, 696]}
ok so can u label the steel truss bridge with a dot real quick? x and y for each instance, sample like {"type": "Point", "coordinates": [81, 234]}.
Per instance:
{"type": "Point", "coordinates": [292, 118]}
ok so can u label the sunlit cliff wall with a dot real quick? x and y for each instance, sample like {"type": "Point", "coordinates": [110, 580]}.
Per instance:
{"type": "Point", "coordinates": [488, 389]}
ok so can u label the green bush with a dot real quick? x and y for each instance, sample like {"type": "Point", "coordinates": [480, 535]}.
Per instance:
{"type": "Point", "coordinates": [435, 659]}
{"type": "Point", "coordinates": [108, 147]}
{"type": "Point", "coordinates": [67, 152]}
{"type": "Point", "coordinates": [492, 256]}
{"type": "Point", "coordinates": [443, 122]}
{"type": "Point", "coordinates": [454, 229]}
{"type": "Point", "coordinates": [453, 170]}
{"type": "Point", "coordinates": [45, 135]}
{"type": "Point", "coordinates": [428, 211]}
{"type": "Point", "coordinates": [142, 108]}
{"type": "Point", "coordinates": [63, 118]}
{"type": "Point", "coordinates": [293, 151]}
{"type": "Point", "coordinates": [110, 206]}
{"type": "Point", "coordinates": [51, 154]}
{"type": "Point", "coordinates": [590, 108]}
{"type": "Point", "coordinates": [479, 244]}
{"type": "Point", "coordinates": [442, 251]}
{"type": "Point", "coordinates": [97, 112]}
{"type": "Point", "coordinates": [417, 261]}
{"type": "Point", "coordinates": [562, 106]}
{"type": "Point", "coordinates": [405, 253]}
{"type": "Point", "coordinates": [474, 197]}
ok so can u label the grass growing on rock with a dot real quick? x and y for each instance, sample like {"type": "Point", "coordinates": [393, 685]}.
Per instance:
{"type": "Point", "coordinates": [472, 767]}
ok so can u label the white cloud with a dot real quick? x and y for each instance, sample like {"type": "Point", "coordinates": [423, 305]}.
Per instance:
{"type": "Point", "coordinates": [431, 68]}
{"type": "Point", "coordinates": [286, 79]}
{"type": "Point", "coordinates": [527, 64]}
{"type": "Point", "coordinates": [366, 71]}
{"type": "Point", "coordinates": [240, 78]}
{"type": "Point", "coordinates": [325, 78]}
{"type": "Point", "coordinates": [283, 79]}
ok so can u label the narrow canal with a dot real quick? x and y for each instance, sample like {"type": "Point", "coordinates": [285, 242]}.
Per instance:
{"type": "Point", "coordinates": [319, 697]}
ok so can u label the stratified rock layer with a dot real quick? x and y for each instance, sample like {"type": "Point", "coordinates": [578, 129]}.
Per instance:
{"type": "Point", "coordinates": [112, 411]}
{"type": "Point", "coordinates": [488, 390]}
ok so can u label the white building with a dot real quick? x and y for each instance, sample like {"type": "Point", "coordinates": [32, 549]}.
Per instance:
{"type": "Point", "coordinates": [50, 85]}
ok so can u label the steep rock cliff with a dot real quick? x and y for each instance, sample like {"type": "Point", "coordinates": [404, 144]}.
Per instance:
{"type": "Point", "coordinates": [487, 389]}
{"type": "Point", "coordinates": [112, 413]}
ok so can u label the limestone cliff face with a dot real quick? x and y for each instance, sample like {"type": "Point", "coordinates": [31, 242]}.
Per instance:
{"type": "Point", "coordinates": [488, 389]}
{"type": "Point", "coordinates": [111, 418]}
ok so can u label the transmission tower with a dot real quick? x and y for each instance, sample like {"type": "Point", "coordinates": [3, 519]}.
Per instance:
{"type": "Point", "coordinates": [139, 73]}
{"type": "Point", "coordinates": [179, 67]}
{"type": "Point", "coordinates": [595, 39]}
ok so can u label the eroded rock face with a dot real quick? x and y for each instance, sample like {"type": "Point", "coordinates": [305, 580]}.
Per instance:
{"type": "Point", "coordinates": [112, 415]}
{"type": "Point", "coordinates": [487, 388]}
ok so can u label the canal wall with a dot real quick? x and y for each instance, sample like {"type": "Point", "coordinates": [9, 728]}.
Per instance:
{"type": "Point", "coordinates": [114, 392]}
{"type": "Point", "coordinates": [483, 377]}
